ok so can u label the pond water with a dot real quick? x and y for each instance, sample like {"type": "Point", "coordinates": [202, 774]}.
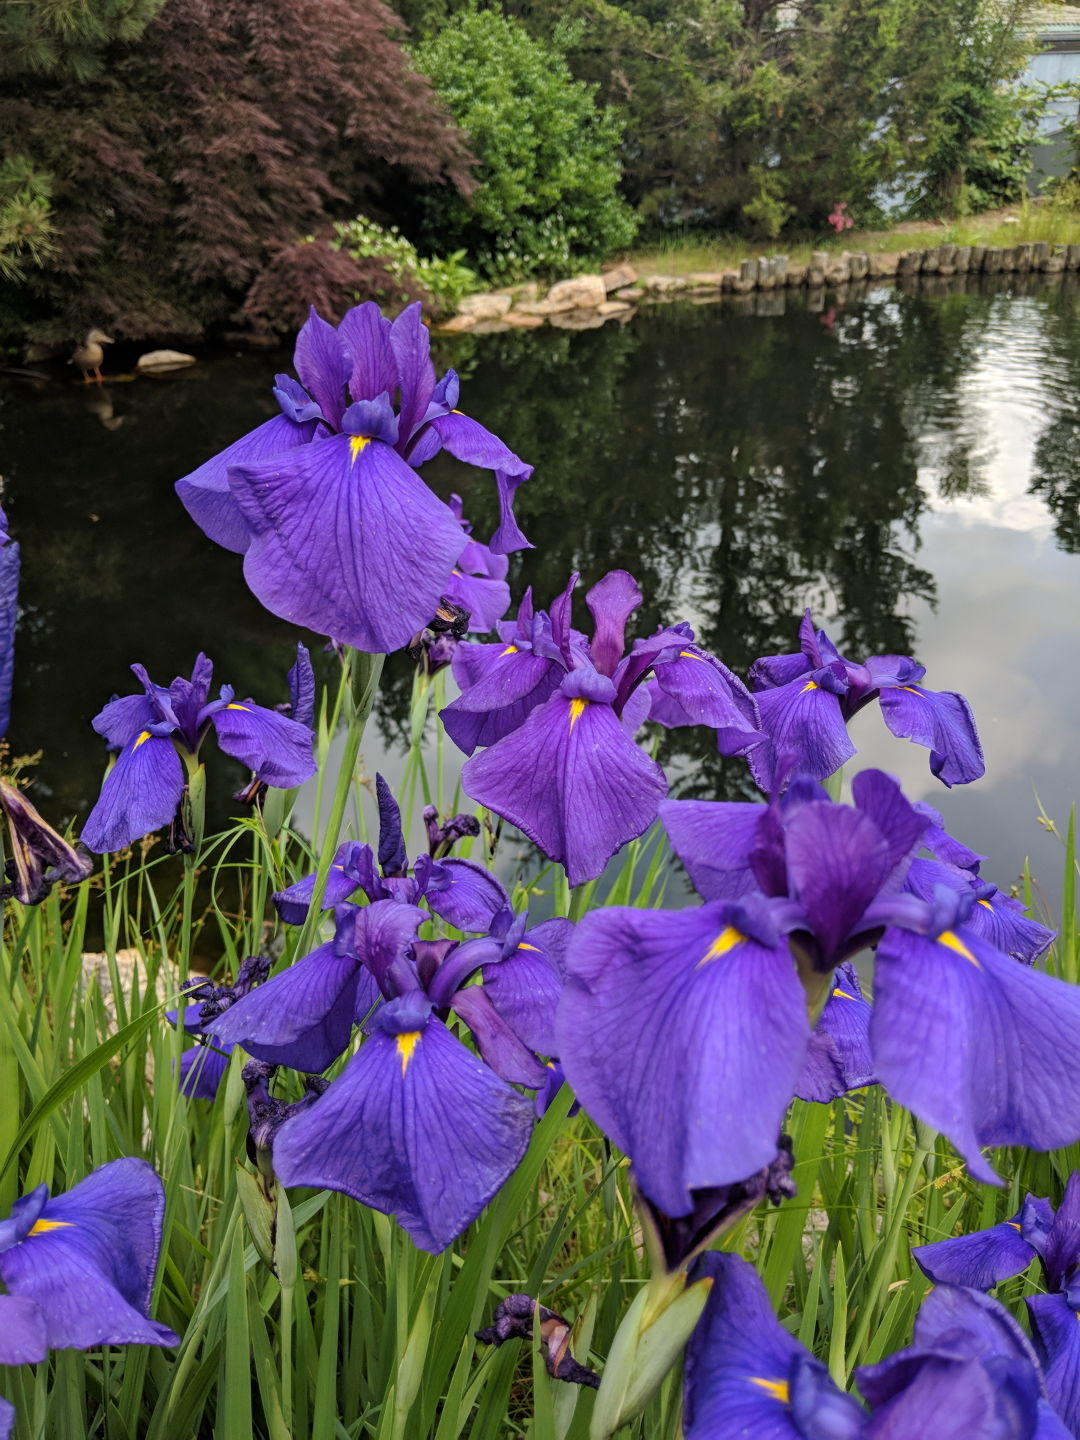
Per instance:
{"type": "Point", "coordinates": [906, 463]}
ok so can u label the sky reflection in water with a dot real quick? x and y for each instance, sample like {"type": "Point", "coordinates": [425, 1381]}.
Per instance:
{"type": "Point", "coordinates": [909, 465]}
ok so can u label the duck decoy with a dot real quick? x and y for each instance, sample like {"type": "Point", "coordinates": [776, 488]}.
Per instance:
{"type": "Point", "coordinates": [89, 355]}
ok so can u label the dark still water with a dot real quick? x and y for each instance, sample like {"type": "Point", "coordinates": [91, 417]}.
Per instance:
{"type": "Point", "coordinates": [909, 465]}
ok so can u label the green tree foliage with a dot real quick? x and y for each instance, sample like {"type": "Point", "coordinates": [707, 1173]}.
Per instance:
{"type": "Point", "coordinates": [987, 125]}
{"type": "Point", "coordinates": [68, 37]}
{"type": "Point", "coordinates": [26, 228]}
{"type": "Point", "coordinates": [762, 114]}
{"type": "Point", "coordinates": [549, 169]}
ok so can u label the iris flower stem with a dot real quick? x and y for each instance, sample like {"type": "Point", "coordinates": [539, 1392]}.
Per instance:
{"type": "Point", "coordinates": [580, 895]}
{"type": "Point", "coordinates": [366, 670]}
{"type": "Point", "coordinates": [287, 1293]}
{"type": "Point", "coordinates": [886, 1253]}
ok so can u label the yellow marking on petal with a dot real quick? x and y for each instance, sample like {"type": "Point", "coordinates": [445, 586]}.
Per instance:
{"type": "Point", "coordinates": [144, 736]}
{"type": "Point", "coordinates": [778, 1389]}
{"type": "Point", "coordinates": [238, 707]}
{"type": "Point", "coordinates": [953, 942]}
{"type": "Point", "coordinates": [843, 994]}
{"type": "Point", "coordinates": [986, 903]}
{"type": "Point", "coordinates": [406, 1044]}
{"type": "Point", "coordinates": [510, 650]}
{"type": "Point", "coordinates": [689, 655]}
{"type": "Point", "coordinates": [457, 573]}
{"type": "Point", "coordinates": [725, 941]}
{"type": "Point", "coordinates": [357, 443]}
{"type": "Point", "coordinates": [911, 689]}
{"type": "Point", "coordinates": [42, 1227]}
{"type": "Point", "coordinates": [524, 946]}
{"type": "Point", "coordinates": [810, 685]}
{"type": "Point", "coordinates": [577, 709]}
{"type": "Point", "coordinates": [457, 412]}
{"type": "Point", "coordinates": [1013, 1224]}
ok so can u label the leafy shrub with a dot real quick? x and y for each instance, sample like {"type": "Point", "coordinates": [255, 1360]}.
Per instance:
{"type": "Point", "coordinates": [446, 280]}
{"type": "Point", "coordinates": [547, 196]}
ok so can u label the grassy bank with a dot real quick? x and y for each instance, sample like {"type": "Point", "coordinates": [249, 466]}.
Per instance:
{"type": "Point", "coordinates": [685, 254]}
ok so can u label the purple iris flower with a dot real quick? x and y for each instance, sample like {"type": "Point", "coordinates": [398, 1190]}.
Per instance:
{"type": "Point", "coordinates": [513, 1320]}
{"type": "Point", "coordinates": [988, 1256]}
{"type": "Point", "coordinates": [337, 531]}
{"type": "Point", "coordinates": [79, 1268]}
{"type": "Point", "coordinates": [416, 1125]}
{"type": "Point", "coordinates": [459, 891]}
{"type": "Point", "coordinates": [38, 857]}
{"type": "Point", "coordinates": [158, 734]}
{"type": "Point", "coordinates": [9, 610]}
{"type": "Point", "coordinates": [561, 762]}
{"type": "Point", "coordinates": [806, 700]}
{"type": "Point", "coordinates": [701, 1016]}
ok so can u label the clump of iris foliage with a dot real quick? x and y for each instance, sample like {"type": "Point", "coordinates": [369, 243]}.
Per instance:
{"type": "Point", "coordinates": [486, 1141]}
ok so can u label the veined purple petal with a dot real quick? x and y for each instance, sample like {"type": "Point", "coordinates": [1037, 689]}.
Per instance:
{"type": "Point", "coordinates": [513, 684]}
{"type": "Point", "coordinates": [381, 936]}
{"type": "Point", "coordinates": [1056, 1332]}
{"type": "Point", "coordinates": [746, 1376]}
{"type": "Point", "coordinates": [1001, 920]}
{"type": "Point", "coordinates": [302, 1017]}
{"type": "Point", "coordinates": [508, 535]}
{"type": "Point", "coordinates": [411, 346]}
{"type": "Point", "coordinates": [903, 825]}
{"type": "Point", "coordinates": [980, 1260]}
{"type": "Point", "coordinates": [837, 861]}
{"type": "Point", "coordinates": [572, 780]}
{"type": "Point", "coordinates": [943, 846]}
{"type": "Point", "coordinates": [321, 361]}
{"type": "Point", "coordinates": [684, 1015]}
{"type": "Point", "coordinates": [773, 671]}
{"type": "Point", "coordinates": [526, 986]}
{"type": "Point", "coordinates": [696, 689]}
{"type": "Point", "coordinates": [22, 1334]}
{"type": "Point", "coordinates": [713, 839]}
{"type": "Point", "coordinates": [415, 1126]}
{"type": "Point", "coordinates": [140, 795]}
{"type": "Point", "coordinates": [485, 598]}
{"type": "Point", "coordinates": [7, 1418]}
{"type": "Point", "coordinates": [976, 1044]}
{"type": "Point", "coordinates": [469, 441]}
{"type": "Point", "coordinates": [611, 601]}
{"type": "Point", "coordinates": [838, 1058]}
{"type": "Point", "coordinates": [805, 725]}
{"type": "Point", "coordinates": [497, 1042]}
{"type": "Point", "coordinates": [365, 333]}
{"type": "Point", "coordinates": [89, 1260]}
{"type": "Point", "coordinates": [461, 892]}
{"type": "Point", "coordinates": [347, 540]}
{"type": "Point", "coordinates": [943, 722]}
{"type": "Point", "coordinates": [205, 493]}
{"type": "Point", "coordinates": [278, 749]}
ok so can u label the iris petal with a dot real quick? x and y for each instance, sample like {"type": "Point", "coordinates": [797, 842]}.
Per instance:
{"type": "Point", "coordinates": [681, 1015]}
{"type": "Point", "coordinates": [140, 795]}
{"type": "Point", "coordinates": [278, 749]}
{"type": "Point", "coordinates": [415, 1126]}
{"type": "Point", "coordinates": [347, 540]}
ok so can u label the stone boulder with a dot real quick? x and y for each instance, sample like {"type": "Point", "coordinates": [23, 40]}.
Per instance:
{"type": "Point", "coordinates": [618, 276]}
{"type": "Point", "coordinates": [485, 307]}
{"type": "Point", "coordinates": [583, 292]}
{"type": "Point", "coordinates": [160, 361]}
